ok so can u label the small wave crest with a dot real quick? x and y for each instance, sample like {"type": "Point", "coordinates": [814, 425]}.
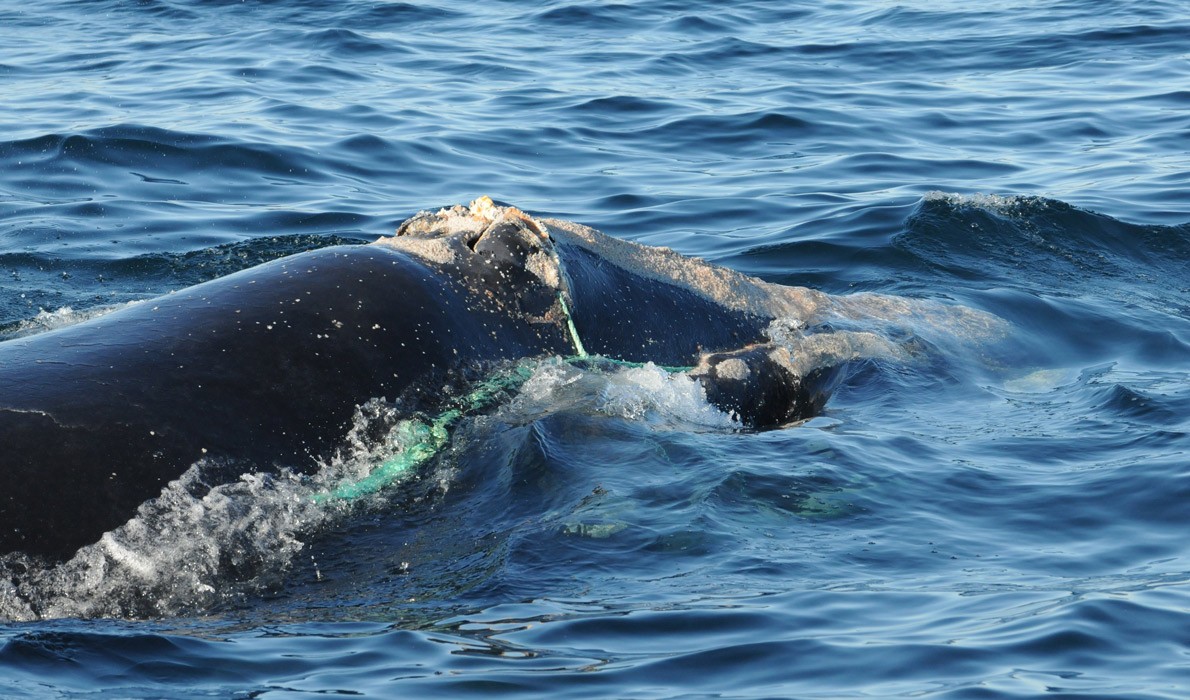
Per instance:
{"type": "Point", "coordinates": [57, 318]}
{"type": "Point", "coordinates": [1005, 205]}
{"type": "Point", "coordinates": [1033, 228]}
{"type": "Point", "coordinates": [1054, 250]}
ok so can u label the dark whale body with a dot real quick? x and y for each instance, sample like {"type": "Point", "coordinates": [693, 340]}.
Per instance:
{"type": "Point", "coordinates": [266, 367]}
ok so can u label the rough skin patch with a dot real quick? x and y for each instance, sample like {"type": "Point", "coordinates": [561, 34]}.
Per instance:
{"type": "Point", "coordinates": [435, 236]}
{"type": "Point", "coordinates": [733, 369]}
{"type": "Point", "coordinates": [720, 285]}
{"type": "Point", "coordinates": [545, 268]}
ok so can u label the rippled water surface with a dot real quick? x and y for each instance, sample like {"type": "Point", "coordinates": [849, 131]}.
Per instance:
{"type": "Point", "coordinates": [1008, 521]}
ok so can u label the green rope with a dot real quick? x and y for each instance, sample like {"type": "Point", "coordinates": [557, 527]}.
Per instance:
{"type": "Point", "coordinates": [579, 350]}
{"type": "Point", "coordinates": [420, 441]}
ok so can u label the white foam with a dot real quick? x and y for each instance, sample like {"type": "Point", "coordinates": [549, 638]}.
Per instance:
{"type": "Point", "coordinates": [1007, 205]}
{"type": "Point", "coordinates": [646, 393]}
{"type": "Point", "coordinates": [180, 553]}
{"type": "Point", "coordinates": [192, 547]}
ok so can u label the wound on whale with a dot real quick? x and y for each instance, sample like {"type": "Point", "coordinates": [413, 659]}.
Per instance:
{"type": "Point", "coordinates": [266, 367]}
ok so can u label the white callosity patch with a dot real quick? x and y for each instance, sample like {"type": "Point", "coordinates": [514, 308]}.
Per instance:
{"type": "Point", "coordinates": [434, 236]}
{"type": "Point", "coordinates": [720, 285]}
{"type": "Point", "coordinates": [504, 258]}
{"type": "Point", "coordinates": [544, 267]}
{"type": "Point", "coordinates": [733, 368]}
{"type": "Point", "coordinates": [429, 235]}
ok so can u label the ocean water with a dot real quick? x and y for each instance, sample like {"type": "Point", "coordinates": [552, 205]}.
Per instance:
{"type": "Point", "coordinates": [1007, 521]}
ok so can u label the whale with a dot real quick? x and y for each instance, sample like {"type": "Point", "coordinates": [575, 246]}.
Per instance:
{"type": "Point", "coordinates": [264, 369]}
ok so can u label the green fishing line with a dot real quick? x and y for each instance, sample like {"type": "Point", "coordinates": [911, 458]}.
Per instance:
{"type": "Point", "coordinates": [419, 441]}
{"type": "Point", "coordinates": [579, 350]}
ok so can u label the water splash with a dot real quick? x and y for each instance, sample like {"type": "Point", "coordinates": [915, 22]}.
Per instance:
{"type": "Point", "coordinates": [647, 393]}
{"type": "Point", "coordinates": [200, 546]}
{"type": "Point", "coordinates": [57, 318]}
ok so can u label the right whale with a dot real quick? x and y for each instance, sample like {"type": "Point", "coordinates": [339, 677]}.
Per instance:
{"type": "Point", "coordinates": [265, 369]}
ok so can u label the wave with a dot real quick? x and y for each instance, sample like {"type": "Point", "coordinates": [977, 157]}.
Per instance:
{"type": "Point", "coordinates": [204, 545]}
{"type": "Point", "coordinates": [57, 318]}
{"type": "Point", "coordinates": [1034, 242]}
{"type": "Point", "coordinates": [45, 289]}
{"type": "Point", "coordinates": [168, 155]}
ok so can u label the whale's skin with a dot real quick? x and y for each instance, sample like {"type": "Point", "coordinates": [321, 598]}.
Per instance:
{"type": "Point", "coordinates": [266, 367]}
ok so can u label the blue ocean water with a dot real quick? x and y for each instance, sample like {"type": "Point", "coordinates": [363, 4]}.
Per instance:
{"type": "Point", "coordinates": [1006, 523]}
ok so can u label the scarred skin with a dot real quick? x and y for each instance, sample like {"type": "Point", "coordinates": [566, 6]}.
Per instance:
{"type": "Point", "coordinates": [264, 369]}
